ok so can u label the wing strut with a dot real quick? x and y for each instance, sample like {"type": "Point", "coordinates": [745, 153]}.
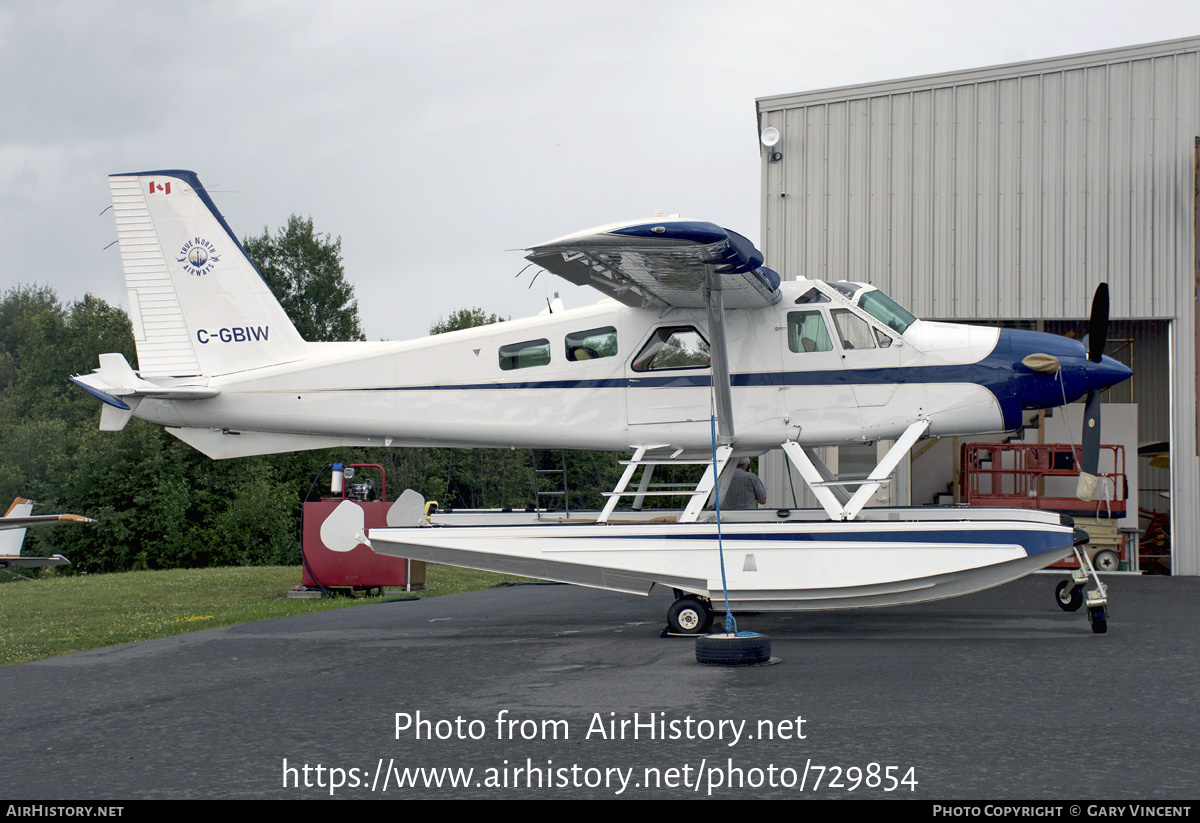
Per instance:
{"type": "Point", "coordinates": [837, 504]}
{"type": "Point", "coordinates": [715, 306]}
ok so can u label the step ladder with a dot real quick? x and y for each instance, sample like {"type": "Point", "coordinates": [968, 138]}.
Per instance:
{"type": "Point", "coordinates": [562, 490]}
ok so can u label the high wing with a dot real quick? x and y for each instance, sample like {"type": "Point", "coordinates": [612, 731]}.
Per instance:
{"type": "Point", "coordinates": [42, 520]}
{"type": "Point", "coordinates": [662, 263]}
{"type": "Point", "coordinates": [18, 516]}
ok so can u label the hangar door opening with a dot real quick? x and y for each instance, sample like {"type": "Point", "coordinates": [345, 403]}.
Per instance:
{"type": "Point", "coordinates": [1139, 415]}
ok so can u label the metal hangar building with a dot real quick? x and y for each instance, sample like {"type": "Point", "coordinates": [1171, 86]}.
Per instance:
{"type": "Point", "coordinates": [1006, 195]}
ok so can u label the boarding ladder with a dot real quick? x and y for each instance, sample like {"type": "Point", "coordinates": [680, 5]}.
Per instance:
{"type": "Point", "coordinates": [563, 491]}
{"type": "Point", "coordinates": [642, 459]}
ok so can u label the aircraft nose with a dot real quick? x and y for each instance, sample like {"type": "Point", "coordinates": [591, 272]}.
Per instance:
{"type": "Point", "coordinates": [1108, 372]}
{"type": "Point", "coordinates": [1052, 370]}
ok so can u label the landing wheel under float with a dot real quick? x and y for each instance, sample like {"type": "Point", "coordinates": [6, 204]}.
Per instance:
{"type": "Point", "coordinates": [689, 615]}
{"type": "Point", "coordinates": [1069, 593]}
{"type": "Point", "coordinates": [1068, 596]}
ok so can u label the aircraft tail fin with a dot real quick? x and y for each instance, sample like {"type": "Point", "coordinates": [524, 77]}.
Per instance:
{"type": "Point", "coordinates": [197, 304]}
{"type": "Point", "coordinates": [11, 540]}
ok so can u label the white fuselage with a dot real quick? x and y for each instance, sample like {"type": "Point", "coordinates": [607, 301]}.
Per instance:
{"type": "Point", "coordinates": [451, 390]}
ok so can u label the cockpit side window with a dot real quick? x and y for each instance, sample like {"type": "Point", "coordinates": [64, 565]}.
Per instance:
{"type": "Point", "coordinates": [673, 347]}
{"type": "Point", "coordinates": [807, 332]}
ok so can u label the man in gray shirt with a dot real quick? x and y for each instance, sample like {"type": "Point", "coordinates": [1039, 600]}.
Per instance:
{"type": "Point", "coordinates": [745, 489]}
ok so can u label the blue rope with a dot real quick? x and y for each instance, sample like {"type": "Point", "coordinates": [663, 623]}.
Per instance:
{"type": "Point", "coordinates": [730, 623]}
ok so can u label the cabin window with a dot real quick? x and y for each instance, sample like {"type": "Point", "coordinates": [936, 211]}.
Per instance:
{"type": "Point", "coordinates": [592, 344]}
{"type": "Point", "coordinates": [525, 355]}
{"type": "Point", "coordinates": [807, 332]}
{"type": "Point", "coordinates": [673, 347]}
{"type": "Point", "coordinates": [886, 311]}
{"type": "Point", "coordinates": [853, 331]}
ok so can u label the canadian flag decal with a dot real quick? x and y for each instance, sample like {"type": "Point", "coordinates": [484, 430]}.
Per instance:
{"type": "Point", "coordinates": [163, 188]}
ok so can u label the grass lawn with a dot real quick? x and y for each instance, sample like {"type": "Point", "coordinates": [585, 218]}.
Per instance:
{"type": "Point", "coordinates": [71, 613]}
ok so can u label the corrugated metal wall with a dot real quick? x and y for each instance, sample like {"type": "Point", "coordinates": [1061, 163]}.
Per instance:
{"type": "Point", "coordinates": [1008, 193]}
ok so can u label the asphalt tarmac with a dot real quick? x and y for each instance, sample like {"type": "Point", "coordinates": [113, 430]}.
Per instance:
{"type": "Point", "coordinates": [561, 692]}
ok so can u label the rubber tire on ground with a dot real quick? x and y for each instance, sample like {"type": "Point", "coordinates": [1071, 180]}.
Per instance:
{"type": "Point", "coordinates": [689, 615]}
{"type": "Point", "coordinates": [1075, 599]}
{"type": "Point", "coordinates": [1098, 619]}
{"type": "Point", "coordinates": [730, 650]}
{"type": "Point", "coordinates": [1106, 561]}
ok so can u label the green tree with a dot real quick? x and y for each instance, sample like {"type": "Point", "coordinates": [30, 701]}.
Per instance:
{"type": "Point", "coordinates": [304, 271]}
{"type": "Point", "coordinates": [465, 319]}
{"type": "Point", "coordinates": [158, 502]}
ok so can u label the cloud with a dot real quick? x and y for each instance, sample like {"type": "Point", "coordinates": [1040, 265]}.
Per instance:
{"type": "Point", "coordinates": [435, 136]}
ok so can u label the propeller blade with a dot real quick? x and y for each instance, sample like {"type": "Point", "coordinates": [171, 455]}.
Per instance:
{"type": "Point", "coordinates": [1098, 326]}
{"type": "Point", "coordinates": [1095, 341]}
{"type": "Point", "coordinates": [1091, 434]}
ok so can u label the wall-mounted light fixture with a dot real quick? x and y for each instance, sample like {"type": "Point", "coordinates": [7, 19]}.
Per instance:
{"type": "Point", "coordinates": [770, 138]}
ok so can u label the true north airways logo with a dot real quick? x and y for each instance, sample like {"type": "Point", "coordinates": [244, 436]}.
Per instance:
{"type": "Point", "coordinates": [198, 256]}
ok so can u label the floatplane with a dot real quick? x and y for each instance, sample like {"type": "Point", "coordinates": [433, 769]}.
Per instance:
{"type": "Point", "coordinates": [697, 354]}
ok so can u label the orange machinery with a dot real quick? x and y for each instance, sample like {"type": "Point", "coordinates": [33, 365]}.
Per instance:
{"type": "Point", "coordinates": [1043, 476]}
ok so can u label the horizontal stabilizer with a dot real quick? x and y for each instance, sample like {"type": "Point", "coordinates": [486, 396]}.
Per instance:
{"type": "Point", "coordinates": [33, 562]}
{"type": "Point", "coordinates": [120, 389]}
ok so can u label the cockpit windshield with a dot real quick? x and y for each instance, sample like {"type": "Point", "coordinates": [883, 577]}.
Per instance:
{"type": "Point", "coordinates": [886, 310]}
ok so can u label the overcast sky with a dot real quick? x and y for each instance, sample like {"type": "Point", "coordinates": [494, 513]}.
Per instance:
{"type": "Point", "coordinates": [436, 137]}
